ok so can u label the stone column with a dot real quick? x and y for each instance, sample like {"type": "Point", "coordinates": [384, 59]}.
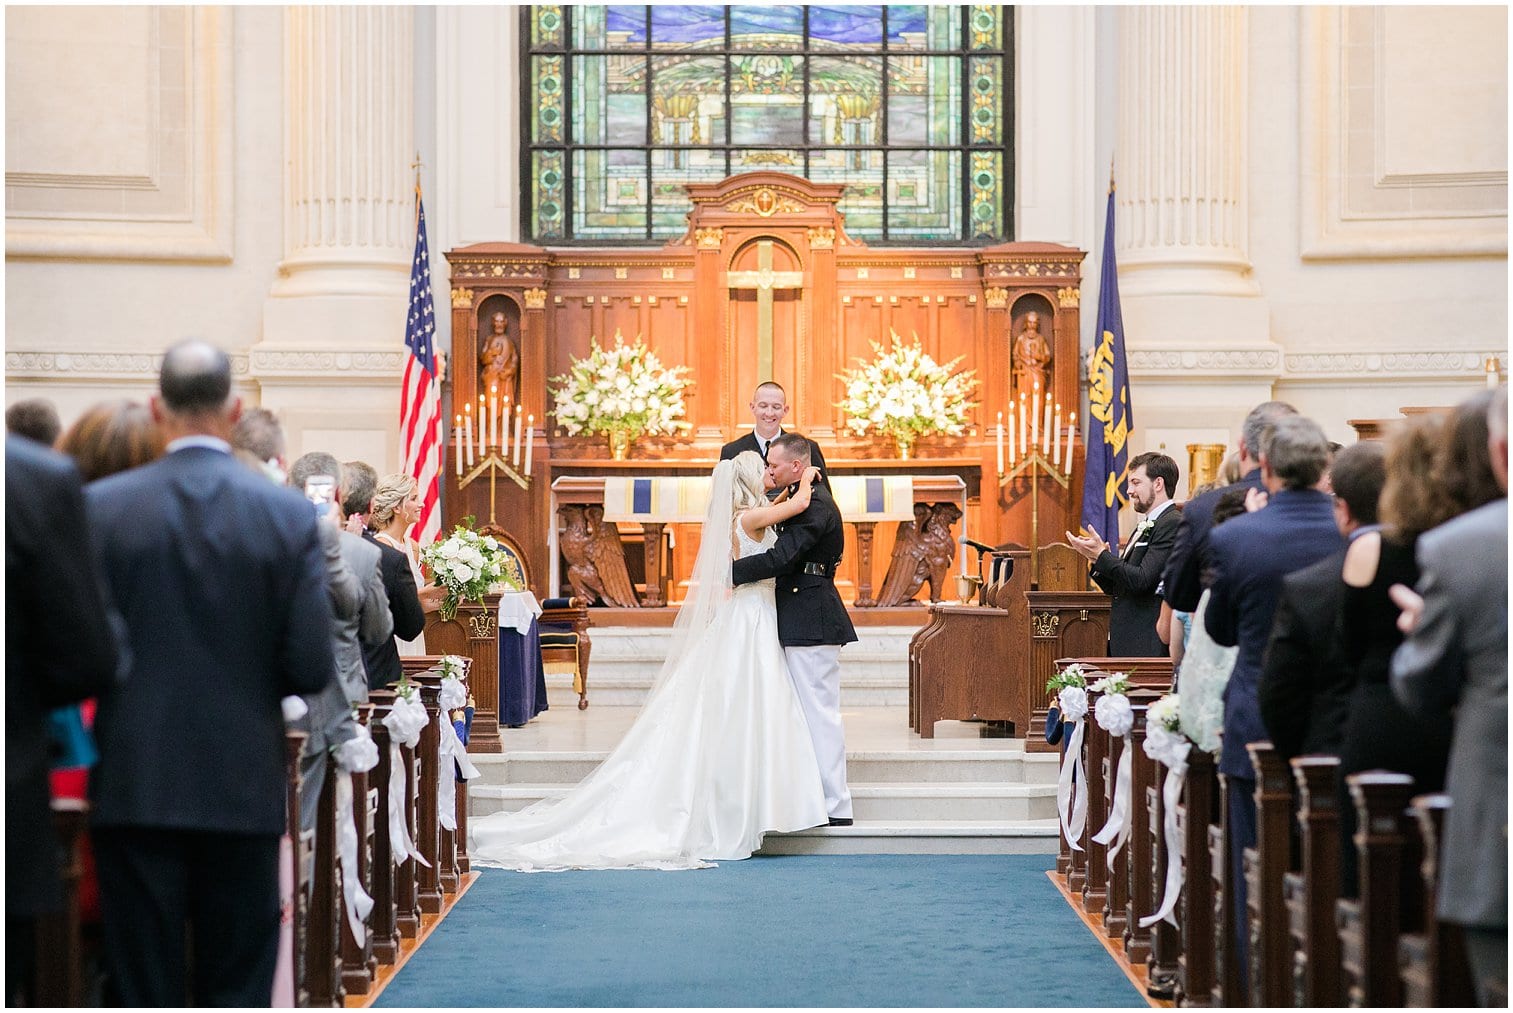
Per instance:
{"type": "Point", "coordinates": [1181, 172]}
{"type": "Point", "coordinates": [349, 204]}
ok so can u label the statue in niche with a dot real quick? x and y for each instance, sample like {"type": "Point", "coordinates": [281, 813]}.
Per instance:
{"type": "Point", "coordinates": [501, 361]}
{"type": "Point", "coordinates": [1032, 356]}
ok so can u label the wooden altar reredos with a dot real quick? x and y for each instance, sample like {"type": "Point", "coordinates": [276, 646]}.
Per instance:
{"type": "Point", "coordinates": [765, 272]}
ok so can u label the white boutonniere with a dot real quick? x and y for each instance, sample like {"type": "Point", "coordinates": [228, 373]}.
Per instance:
{"type": "Point", "coordinates": [1141, 529]}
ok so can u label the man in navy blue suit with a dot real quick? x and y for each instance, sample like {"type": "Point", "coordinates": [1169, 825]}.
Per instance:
{"type": "Point", "coordinates": [221, 582]}
{"type": "Point", "coordinates": [1249, 556]}
{"type": "Point", "coordinates": [1183, 579]}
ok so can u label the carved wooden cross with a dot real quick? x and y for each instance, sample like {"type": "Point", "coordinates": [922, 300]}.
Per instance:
{"type": "Point", "coordinates": [764, 279]}
{"type": "Point", "coordinates": [1058, 569]}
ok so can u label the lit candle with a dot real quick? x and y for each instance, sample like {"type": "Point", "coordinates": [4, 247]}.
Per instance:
{"type": "Point", "coordinates": [1055, 432]}
{"type": "Point", "coordinates": [483, 427]}
{"type": "Point", "coordinates": [1492, 377]}
{"type": "Point", "coordinates": [1071, 428]}
{"type": "Point", "coordinates": [518, 426]}
{"type": "Point", "coordinates": [493, 409]}
{"type": "Point", "coordinates": [1035, 417]}
{"type": "Point", "coordinates": [1000, 443]}
{"type": "Point", "coordinates": [530, 440]}
{"type": "Point", "coordinates": [504, 420]}
{"type": "Point", "coordinates": [467, 431]}
{"type": "Point", "coordinates": [1048, 435]}
{"type": "Point", "coordinates": [458, 452]}
{"type": "Point", "coordinates": [1013, 446]}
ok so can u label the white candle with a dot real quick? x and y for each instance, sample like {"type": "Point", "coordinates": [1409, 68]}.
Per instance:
{"type": "Point", "coordinates": [518, 425]}
{"type": "Point", "coordinates": [493, 410]}
{"type": "Point", "coordinates": [1000, 443]}
{"type": "Point", "coordinates": [483, 427]}
{"type": "Point", "coordinates": [1056, 432]}
{"type": "Point", "coordinates": [1035, 417]}
{"type": "Point", "coordinates": [1013, 446]}
{"type": "Point", "coordinates": [1071, 429]}
{"type": "Point", "coordinates": [530, 440]}
{"type": "Point", "coordinates": [1022, 428]}
{"type": "Point", "coordinates": [1048, 434]}
{"type": "Point", "coordinates": [458, 443]}
{"type": "Point", "coordinates": [504, 421]}
{"type": "Point", "coordinates": [467, 432]}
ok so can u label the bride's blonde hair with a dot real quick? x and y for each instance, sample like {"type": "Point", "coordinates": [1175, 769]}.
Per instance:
{"type": "Point", "coordinates": [749, 490]}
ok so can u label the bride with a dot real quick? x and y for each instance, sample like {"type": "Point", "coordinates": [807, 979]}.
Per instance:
{"type": "Point", "coordinates": [719, 755]}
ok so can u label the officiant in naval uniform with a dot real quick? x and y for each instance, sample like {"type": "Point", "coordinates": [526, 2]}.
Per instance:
{"type": "Point", "coordinates": [812, 620]}
{"type": "Point", "coordinates": [769, 406]}
{"type": "Point", "coordinates": [1134, 578]}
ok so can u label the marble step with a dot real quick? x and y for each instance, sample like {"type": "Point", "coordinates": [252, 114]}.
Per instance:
{"type": "Point", "coordinates": [1008, 767]}
{"type": "Point", "coordinates": [874, 803]}
{"type": "Point", "coordinates": [920, 837]}
{"type": "Point", "coordinates": [626, 660]}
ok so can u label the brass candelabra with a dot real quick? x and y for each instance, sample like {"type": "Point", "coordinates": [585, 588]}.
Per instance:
{"type": "Point", "coordinates": [1035, 461]}
{"type": "Point", "coordinates": [493, 465]}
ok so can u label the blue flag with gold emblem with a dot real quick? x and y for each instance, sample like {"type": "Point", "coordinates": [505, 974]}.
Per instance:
{"type": "Point", "coordinates": [1109, 419]}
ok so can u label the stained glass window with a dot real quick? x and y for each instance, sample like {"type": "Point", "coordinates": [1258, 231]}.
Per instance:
{"type": "Point", "coordinates": [910, 106]}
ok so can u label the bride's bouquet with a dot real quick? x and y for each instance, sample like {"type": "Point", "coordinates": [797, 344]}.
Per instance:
{"type": "Point", "coordinates": [904, 393]}
{"type": "Point", "coordinates": [468, 565]}
{"type": "Point", "coordinates": [624, 389]}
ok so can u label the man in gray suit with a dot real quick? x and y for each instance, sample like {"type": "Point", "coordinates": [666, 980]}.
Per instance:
{"type": "Point", "coordinates": [1456, 653]}
{"type": "Point", "coordinates": [330, 721]}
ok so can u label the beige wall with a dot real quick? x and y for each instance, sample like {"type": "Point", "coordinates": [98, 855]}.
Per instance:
{"type": "Point", "coordinates": [1374, 167]}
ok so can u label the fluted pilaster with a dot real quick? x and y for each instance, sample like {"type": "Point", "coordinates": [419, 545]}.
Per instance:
{"type": "Point", "coordinates": [1181, 154]}
{"type": "Point", "coordinates": [349, 201]}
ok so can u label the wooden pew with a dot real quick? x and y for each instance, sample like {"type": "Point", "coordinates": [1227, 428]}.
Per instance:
{"type": "Point", "coordinates": [1265, 865]}
{"type": "Point", "coordinates": [359, 965]}
{"type": "Point", "coordinates": [1368, 926]}
{"type": "Point", "coordinates": [428, 828]}
{"type": "Point", "coordinates": [303, 849]}
{"type": "Point", "coordinates": [447, 877]}
{"type": "Point", "coordinates": [323, 978]}
{"type": "Point", "coordinates": [1311, 892]}
{"type": "Point", "coordinates": [1136, 856]}
{"type": "Point", "coordinates": [59, 962]}
{"type": "Point", "coordinates": [1166, 939]}
{"type": "Point", "coordinates": [1226, 989]}
{"type": "Point", "coordinates": [383, 927]}
{"type": "Point", "coordinates": [407, 874]}
{"type": "Point", "coordinates": [1101, 891]}
{"type": "Point", "coordinates": [1201, 802]}
{"type": "Point", "coordinates": [1432, 956]}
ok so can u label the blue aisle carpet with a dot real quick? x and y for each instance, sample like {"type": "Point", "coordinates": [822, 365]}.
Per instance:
{"type": "Point", "coordinates": [864, 930]}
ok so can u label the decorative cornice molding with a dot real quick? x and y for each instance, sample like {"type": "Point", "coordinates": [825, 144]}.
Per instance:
{"type": "Point", "coordinates": [319, 363]}
{"type": "Point", "coordinates": [92, 365]}
{"type": "Point", "coordinates": [1205, 360]}
{"type": "Point", "coordinates": [1406, 364]}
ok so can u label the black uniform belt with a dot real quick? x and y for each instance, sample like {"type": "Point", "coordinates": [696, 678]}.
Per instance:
{"type": "Point", "coordinates": [819, 569]}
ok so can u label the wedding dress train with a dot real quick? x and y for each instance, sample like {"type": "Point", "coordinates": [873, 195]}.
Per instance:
{"type": "Point", "coordinates": [719, 755]}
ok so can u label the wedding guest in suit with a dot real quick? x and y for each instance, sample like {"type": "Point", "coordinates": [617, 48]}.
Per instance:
{"type": "Point", "coordinates": [360, 482]}
{"type": "Point", "coordinates": [1132, 578]}
{"type": "Point", "coordinates": [219, 580]}
{"type": "Point", "coordinates": [59, 648]}
{"type": "Point", "coordinates": [1423, 460]}
{"type": "Point", "coordinates": [35, 418]}
{"type": "Point", "coordinates": [1250, 555]}
{"type": "Point", "coordinates": [330, 721]}
{"type": "Point", "coordinates": [1304, 680]}
{"type": "Point", "coordinates": [1183, 580]}
{"type": "Point", "coordinates": [1455, 659]}
{"type": "Point", "coordinates": [112, 437]}
{"type": "Point", "coordinates": [769, 407]}
{"type": "Point", "coordinates": [396, 508]}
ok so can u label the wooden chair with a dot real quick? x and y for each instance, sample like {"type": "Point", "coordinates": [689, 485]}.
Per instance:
{"type": "Point", "coordinates": [565, 645]}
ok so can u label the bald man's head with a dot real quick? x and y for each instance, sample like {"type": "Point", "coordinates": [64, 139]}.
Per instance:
{"type": "Point", "coordinates": [195, 379]}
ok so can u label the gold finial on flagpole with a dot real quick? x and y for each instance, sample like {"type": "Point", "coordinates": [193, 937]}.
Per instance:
{"type": "Point", "coordinates": [1111, 174]}
{"type": "Point", "coordinates": [416, 165]}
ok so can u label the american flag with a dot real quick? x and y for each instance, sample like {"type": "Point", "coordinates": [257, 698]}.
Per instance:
{"type": "Point", "coordinates": [420, 401]}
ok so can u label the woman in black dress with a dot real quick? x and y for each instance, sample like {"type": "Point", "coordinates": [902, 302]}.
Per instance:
{"type": "Point", "coordinates": [1433, 474]}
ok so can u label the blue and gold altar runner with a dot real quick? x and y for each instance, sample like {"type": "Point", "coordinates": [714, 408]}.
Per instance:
{"type": "Point", "coordinates": [670, 500]}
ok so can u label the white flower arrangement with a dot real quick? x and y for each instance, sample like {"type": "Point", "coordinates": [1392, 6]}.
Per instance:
{"type": "Point", "coordinates": [905, 393]}
{"type": "Point", "coordinates": [621, 389]}
{"type": "Point", "coordinates": [1071, 675]}
{"type": "Point", "coordinates": [468, 565]}
{"type": "Point", "coordinates": [1113, 683]}
{"type": "Point", "coordinates": [452, 666]}
{"type": "Point", "coordinates": [1165, 713]}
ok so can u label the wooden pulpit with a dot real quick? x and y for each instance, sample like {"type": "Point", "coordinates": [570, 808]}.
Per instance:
{"type": "Point", "coordinates": [474, 633]}
{"type": "Point", "coordinates": [1066, 620]}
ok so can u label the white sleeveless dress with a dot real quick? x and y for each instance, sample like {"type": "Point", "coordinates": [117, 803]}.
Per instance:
{"type": "Point", "coordinates": [719, 755]}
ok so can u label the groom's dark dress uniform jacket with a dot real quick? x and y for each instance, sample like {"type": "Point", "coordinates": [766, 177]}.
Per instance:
{"type": "Point", "coordinates": [1132, 580]}
{"type": "Point", "coordinates": [749, 442]}
{"type": "Point", "coordinates": [808, 549]}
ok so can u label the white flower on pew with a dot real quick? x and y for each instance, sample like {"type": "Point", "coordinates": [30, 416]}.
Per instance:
{"type": "Point", "coordinates": [1073, 701]}
{"type": "Point", "coordinates": [1166, 743]}
{"type": "Point", "coordinates": [1114, 682]}
{"type": "Point", "coordinates": [358, 754]}
{"type": "Point", "coordinates": [294, 708]}
{"type": "Point", "coordinates": [1114, 714]}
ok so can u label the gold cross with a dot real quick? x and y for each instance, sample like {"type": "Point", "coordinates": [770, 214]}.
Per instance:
{"type": "Point", "coordinates": [764, 279]}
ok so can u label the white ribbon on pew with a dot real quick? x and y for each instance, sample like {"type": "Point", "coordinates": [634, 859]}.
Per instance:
{"type": "Point", "coordinates": [1117, 717]}
{"type": "Point", "coordinates": [1170, 749]}
{"type": "Point", "coordinates": [1073, 703]}
{"type": "Point", "coordinates": [356, 755]}
{"type": "Point", "coordinates": [404, 722]}
{"type": "Point", "coordinates": [453, 695]}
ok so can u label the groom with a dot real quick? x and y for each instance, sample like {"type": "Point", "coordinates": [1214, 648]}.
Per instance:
{"type": "Point", "coordinates": [812, 622]}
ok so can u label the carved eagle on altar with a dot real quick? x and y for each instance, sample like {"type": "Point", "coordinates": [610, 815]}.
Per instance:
{"type": "Point", "coordinates": [595, 558]}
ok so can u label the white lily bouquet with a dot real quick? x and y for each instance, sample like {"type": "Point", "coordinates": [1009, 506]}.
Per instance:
{"type": "Point", "coordinates": [468, 565]}
{"type": "Point", "coordinates": [904, 393]}
{"type": "Point", "coordinates": [622, 392]}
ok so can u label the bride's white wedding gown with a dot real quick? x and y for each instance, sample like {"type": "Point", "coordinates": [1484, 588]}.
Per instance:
{"type": "Point", "coordinates": [719, 755]}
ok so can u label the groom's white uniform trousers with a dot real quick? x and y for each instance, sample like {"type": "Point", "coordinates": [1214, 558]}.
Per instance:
{"type": "Point", "coordinates": [812, 626]}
